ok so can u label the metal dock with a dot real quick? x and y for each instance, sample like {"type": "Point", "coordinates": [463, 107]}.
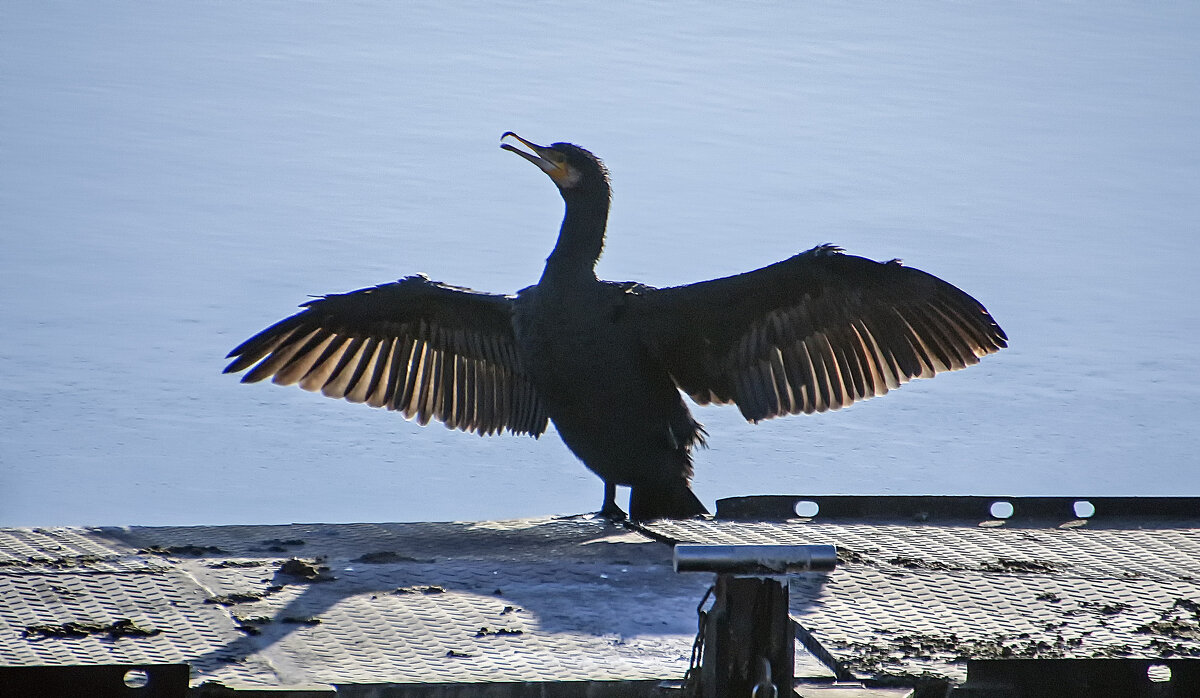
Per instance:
{"type": "Point", "coordinates": [931, 596]}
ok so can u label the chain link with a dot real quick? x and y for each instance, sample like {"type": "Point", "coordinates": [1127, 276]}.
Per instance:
{"type": "Point", "coordinates": [691, 678]}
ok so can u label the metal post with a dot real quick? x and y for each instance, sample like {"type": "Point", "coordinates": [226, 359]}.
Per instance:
{"type": "Point", "coordinates": [749, 642]}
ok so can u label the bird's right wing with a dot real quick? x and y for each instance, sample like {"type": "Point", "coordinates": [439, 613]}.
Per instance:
{"type": "Point", "coordinates": [428, 350]}
{"type": "Point", "coordinates": [814, 332]}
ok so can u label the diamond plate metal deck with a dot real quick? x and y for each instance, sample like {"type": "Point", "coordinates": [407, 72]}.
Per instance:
{"type": "Point", "coordinates": [920, 598]}
{"type": "Point", "coordinates": [559, 600]}
{"type": "Point", "coordinates": [451, 603]}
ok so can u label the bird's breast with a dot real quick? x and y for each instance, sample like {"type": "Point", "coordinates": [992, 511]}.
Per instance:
{"type": "Point", "coordinates": [574, 346]}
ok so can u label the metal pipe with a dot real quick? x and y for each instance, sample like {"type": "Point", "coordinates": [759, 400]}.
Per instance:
{"type": "Point", "coordinates": [755, 559]}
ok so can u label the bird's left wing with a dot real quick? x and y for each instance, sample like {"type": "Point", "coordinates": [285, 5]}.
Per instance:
{"type": "Point", "coordinates": [428, 350]}
{"type": "Point", "coordinates": [811, 333]}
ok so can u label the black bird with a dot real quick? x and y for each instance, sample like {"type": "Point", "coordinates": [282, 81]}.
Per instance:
{"type": "Point", "coordinates": [605, 361]}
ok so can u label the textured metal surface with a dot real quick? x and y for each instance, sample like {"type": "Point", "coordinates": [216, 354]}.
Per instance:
{"type": "Point", "coordinates": [77, 597]}
{"type": "Point", "coordinates": [919, 599]}
{"type": "Point", "coordinates": [553, 600]}
{"type": "Point", "coordinates": [523, 601]}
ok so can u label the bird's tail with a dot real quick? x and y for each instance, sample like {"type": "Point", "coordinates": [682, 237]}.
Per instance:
{"type": "Point", "coordinates": [673, 500]}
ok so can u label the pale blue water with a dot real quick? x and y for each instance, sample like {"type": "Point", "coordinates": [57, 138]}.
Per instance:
{"type": "Point", "coordinates": [174, 178]}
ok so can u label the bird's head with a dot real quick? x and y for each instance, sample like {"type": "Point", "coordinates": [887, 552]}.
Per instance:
{"type": "Point", "coordinates": [573, 169]}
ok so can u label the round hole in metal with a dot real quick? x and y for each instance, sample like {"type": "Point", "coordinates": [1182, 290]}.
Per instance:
{"type": "Point", "coordinates": [1158, 673]}
{"type": "Point", "coordinates": [806, 509]}
{"type": "Point", "coordinates": [136, 678]}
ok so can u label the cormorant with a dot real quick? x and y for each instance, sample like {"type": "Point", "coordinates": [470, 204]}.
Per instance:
{"type": "Point", "coordinates": [605, 361]}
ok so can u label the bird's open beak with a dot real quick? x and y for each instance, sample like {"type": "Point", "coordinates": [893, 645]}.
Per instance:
{"type": "Point", "coordinates": [555, 170]}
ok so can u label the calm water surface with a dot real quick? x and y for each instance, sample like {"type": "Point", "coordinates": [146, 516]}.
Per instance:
{"type": "Point", "coordinates": [173, 179]}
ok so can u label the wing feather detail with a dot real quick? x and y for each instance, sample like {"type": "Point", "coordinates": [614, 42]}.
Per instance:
{"type": "Point", "coordinates": [815, 332]}
{"type": "Point", "coordinates": [425, 349]}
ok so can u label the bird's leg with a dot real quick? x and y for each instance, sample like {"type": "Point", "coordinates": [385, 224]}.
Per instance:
{"type": "Point", "coordinates": [609, 509]}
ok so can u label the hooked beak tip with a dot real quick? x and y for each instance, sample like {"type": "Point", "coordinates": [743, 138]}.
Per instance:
{"type": "Point", "coordinates": [535, 157]}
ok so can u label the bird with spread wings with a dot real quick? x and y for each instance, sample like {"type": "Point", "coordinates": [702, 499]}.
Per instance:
{"type": "Point", "coordinates": [606, 361]}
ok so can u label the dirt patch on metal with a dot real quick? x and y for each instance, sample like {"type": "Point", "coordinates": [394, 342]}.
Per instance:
{"type": "Point", "coordinates": [181, 550]}
{"type": "Point", "coordinates": [1000, 564]}
{"type": "Point", "coordinates": [118, 628]}
{"type": "Point", "coordinates": [303, 571]}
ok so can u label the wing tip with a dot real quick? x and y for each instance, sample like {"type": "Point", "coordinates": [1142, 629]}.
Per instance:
{"type": "Point", "coordinates": [239, 364]}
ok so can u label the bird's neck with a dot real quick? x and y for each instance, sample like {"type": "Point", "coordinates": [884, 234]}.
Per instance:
{"type": "Point", "coordinates": [580, 240]}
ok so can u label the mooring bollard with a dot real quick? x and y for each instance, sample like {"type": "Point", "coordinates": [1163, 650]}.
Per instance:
{"type": "Point", "coordinates": [748, 638]}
